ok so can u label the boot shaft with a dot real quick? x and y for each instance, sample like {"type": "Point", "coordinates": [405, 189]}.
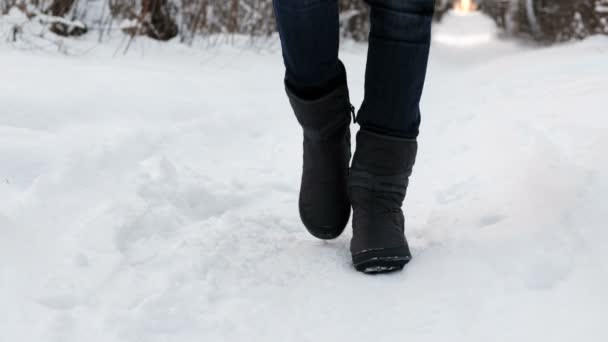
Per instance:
{"type": "Point", "coordinates": [323, 118]}
{"type": "Point", "coordinates": [384, 156]}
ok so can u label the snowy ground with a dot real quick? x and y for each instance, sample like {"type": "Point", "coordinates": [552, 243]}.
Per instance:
{"type": "Point", "coordinates": [152, 197]}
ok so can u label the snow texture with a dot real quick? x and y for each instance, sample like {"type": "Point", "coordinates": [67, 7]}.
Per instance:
{"type": "Point", "coordinates": [153, 197]}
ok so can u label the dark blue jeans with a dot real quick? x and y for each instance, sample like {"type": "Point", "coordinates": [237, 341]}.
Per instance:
{"type": "Point", "coordinates": [396, 63]}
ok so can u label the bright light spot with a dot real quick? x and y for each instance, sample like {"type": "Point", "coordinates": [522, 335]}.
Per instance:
{"type": "Point", "coordinates": [464, 6]}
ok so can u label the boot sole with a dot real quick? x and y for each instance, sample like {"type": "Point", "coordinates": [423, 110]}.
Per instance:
{"type": "Point", "coordinates": [383, 260]}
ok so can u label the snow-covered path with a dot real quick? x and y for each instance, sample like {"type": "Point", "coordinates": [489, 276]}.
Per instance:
{"type": "Point", "coordinates": [154, 199]}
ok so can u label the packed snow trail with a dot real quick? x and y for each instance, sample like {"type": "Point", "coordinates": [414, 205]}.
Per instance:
{"type": "Point", "coordinates": [154, 198]}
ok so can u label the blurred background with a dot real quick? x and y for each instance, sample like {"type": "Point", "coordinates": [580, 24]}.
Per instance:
{"type": "Point", "coordinates": [543, 21]}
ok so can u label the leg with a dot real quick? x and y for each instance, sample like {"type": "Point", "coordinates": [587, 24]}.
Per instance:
{"type": "Point", "coordinates": [315, 81]}
{"type": "Point", "coordinates": [396, 66]}
{"type": "Point", "coordinates": [309, 31]}
{"type": "Point", "coordinates": [386, 144]}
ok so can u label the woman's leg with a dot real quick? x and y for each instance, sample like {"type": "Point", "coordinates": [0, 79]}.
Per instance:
{"type": "Point", "coordinates": [315, 81]}
{"type": "Point", "coordinates": [396, 66]}
{"type": "Point", "coordinates": [309, 31]}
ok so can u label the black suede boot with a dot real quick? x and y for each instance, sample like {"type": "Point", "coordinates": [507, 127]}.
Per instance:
{"type": "Point", "coordinates": [323, 203]}
{"type": "Point", "coordinates": [378, 182]}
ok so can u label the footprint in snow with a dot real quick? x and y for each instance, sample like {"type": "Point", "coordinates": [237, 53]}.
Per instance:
{"type": "Point", "coordinates": [170, 201]}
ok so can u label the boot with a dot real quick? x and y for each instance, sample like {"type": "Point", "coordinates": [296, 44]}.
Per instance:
{"type": "Point", "coordinates": [378, 182]}
{"type": "Point", "coordinates": [323, 203]}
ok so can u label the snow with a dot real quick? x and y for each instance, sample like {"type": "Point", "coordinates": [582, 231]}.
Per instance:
{"type": "Point", "coordinates": [152, 197]}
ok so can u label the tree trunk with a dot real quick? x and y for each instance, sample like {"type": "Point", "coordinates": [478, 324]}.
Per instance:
{"type": "Point", "coordinates": [157, 20]}
{"type": "Point", "coordinates": [60, 8]}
